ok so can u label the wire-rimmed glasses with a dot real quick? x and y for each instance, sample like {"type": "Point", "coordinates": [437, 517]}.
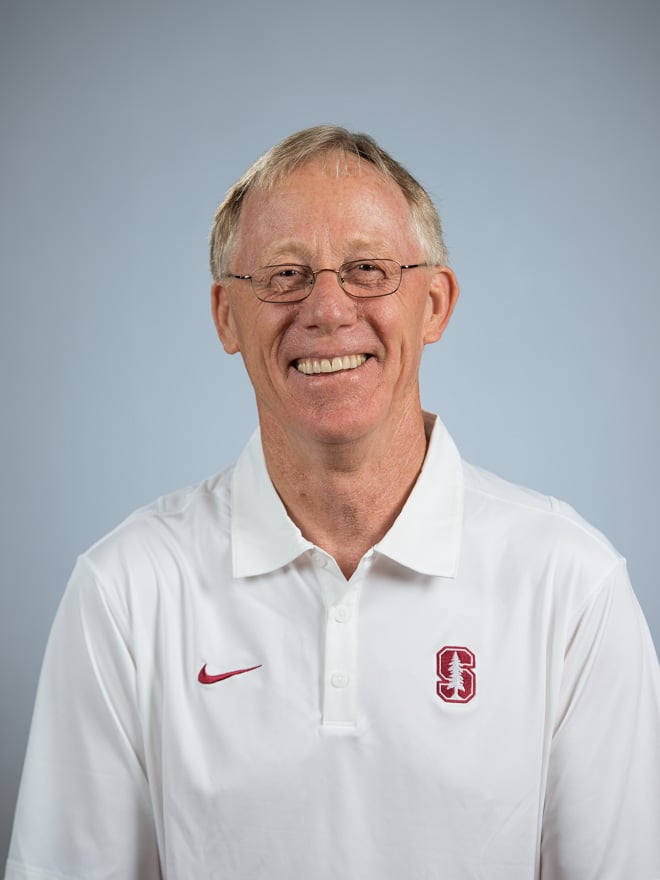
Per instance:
{"type": "Point", "coordinates": [361, 279]}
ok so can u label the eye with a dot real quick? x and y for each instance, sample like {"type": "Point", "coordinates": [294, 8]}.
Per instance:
{"type": "Point", "coordinates": [287, 278]}
{"type": "Point", "coordinates": [364, 272]}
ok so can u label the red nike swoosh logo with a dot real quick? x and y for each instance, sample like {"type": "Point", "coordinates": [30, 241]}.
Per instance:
{"type": "Point", "coordinates": [205, 678]}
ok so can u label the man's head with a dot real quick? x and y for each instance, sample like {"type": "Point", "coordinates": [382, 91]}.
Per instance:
{"type": "Point", "coordinates": [338, 362]}
{"type": "Point", "coordinates": [337, 145]}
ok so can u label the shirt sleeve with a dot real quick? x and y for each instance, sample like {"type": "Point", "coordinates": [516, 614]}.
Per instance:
{"type": "Point", "coordinates": [84, 807]}
{"type": "Point", "coordinates": [602, 806]}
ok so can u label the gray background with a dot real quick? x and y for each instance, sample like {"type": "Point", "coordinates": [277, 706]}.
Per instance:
{"type": "Point", "coordinates": [535, 126]}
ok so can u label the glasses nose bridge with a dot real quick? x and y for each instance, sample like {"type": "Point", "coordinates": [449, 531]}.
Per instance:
{"type": "Point", "coordinates": [336, 272]}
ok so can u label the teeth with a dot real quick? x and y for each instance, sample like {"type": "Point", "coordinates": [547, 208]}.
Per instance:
{"type": "Point", "coordinates": [325, 365]}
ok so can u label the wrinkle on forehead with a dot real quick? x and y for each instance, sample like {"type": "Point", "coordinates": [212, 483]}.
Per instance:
{"type": "Point", "coordinates": [292, 250]}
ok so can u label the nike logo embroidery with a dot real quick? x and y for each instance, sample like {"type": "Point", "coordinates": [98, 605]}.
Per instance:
{"type": "Point", "coordinates": [205, 678]}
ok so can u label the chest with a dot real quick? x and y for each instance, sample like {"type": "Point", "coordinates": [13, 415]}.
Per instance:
{"type": "Point", "coordinates": [274, 700]}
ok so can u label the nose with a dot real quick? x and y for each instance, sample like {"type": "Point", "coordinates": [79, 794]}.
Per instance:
{"type": "Point", "coordinates": [335, 272]}
{"type": "Point", "coordinates": [328, 306]}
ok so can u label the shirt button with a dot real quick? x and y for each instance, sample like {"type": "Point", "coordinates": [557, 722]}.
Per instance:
{"type": "Point", "coordinates": [341, 613]}
{"type": "Point", "coordinates": [339, 679]}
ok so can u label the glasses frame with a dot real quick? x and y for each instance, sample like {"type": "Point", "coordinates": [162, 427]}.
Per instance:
{"type": "Point", "coordinates": [317, 272]}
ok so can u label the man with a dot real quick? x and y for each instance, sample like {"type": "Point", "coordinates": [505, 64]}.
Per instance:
{"type": "Point", "coordinates": [352, 655]}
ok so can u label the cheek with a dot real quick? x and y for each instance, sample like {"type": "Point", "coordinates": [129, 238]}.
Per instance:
{"type": "Point", "coordinates": [409, 329]}
{"type": "Point", "coordinates": [412, 350]}
{"type": "Point", "coordinates": [259, 335]}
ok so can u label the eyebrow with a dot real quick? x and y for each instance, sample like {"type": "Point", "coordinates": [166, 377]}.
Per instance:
{"type": "Point", "coordinates": [362, 247]}
{"type": "Point", "coordinates": [294, 251]}
{"type": "Point", "coordinates": [287, 251]}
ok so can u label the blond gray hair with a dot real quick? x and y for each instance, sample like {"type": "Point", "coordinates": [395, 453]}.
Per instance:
{"type": "Point", "coordinates": [302, 147]}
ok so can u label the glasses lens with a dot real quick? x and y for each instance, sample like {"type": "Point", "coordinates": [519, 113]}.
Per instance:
{"type": "Point", "coordinates": [286, 283]}
{"type": "Point", "coordinates": [370, 277]}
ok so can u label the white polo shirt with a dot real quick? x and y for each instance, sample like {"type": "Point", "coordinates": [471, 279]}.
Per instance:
{"type": "Point", "coordinates": [480, 700]}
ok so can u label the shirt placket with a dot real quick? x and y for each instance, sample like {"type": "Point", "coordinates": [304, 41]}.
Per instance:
{"type": "Point", "coordinates": [340, 672]}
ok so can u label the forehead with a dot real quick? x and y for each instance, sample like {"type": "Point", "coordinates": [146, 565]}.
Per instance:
{"type": "Point", "coordinates": [330, 204]}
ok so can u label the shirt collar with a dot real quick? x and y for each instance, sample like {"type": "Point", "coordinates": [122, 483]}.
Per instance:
{"type": "Point", "coordinates": [424, 537]}
{"type": "Point", "coordinates": [263, 537]}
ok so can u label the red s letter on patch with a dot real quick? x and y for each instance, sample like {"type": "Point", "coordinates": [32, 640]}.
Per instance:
{"type": "Point", "coordinates": [458, 681]}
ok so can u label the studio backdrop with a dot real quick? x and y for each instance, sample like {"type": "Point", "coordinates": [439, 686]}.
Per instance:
{"type": "Point", "coordinates": [535, 127]}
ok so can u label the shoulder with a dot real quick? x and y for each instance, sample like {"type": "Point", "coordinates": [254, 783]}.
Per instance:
{"type": "Point", "coordinates": [499, 497]}
{"type": "Point", "coordinates": [166, 534]}
{"type": "Point", "coordinates": [527, 530]}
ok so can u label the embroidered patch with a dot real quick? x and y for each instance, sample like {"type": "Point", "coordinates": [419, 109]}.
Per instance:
{"type": "Point", "coordinates": [456, 671]}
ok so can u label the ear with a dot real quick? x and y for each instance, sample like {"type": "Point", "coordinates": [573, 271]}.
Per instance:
{"type": "Point", "coordinates": [223, 318]}
{"type": "Point", "coordinates": [443, 294]}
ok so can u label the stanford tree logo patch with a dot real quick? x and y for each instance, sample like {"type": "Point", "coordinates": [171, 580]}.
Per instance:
{"type": "Point", "coordinates": [456, 671]}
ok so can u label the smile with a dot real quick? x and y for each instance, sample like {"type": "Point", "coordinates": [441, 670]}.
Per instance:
{"type": "Point", "coordinates": [309, 366]}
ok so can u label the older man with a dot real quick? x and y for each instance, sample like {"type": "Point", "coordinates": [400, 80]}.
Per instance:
{"type": "Point", "coordinates": [352, 655]}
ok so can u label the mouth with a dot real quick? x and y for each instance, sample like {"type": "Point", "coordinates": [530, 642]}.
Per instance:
{"type": "Point", "coordinates": [311, 366]}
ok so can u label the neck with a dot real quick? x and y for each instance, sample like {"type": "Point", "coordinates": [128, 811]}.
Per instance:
{"type": "Point", "coordinates": [345, 496]}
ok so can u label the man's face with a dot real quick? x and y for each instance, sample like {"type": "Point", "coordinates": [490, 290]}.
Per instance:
{"type": "Point", "coordinates": [317, 218]}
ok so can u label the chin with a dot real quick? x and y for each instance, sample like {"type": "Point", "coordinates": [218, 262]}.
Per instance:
{"type": "Point", "coordinates": [337, 424]}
